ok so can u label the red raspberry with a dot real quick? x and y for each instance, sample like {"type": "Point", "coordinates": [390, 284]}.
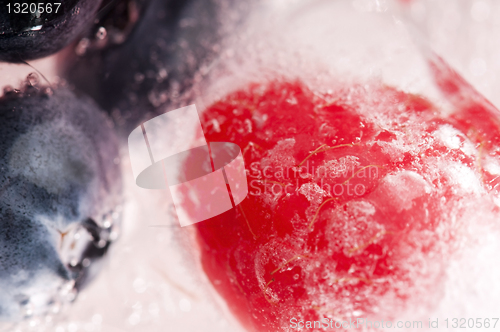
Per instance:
{"type": "Point", "coordinates": [355, 200]}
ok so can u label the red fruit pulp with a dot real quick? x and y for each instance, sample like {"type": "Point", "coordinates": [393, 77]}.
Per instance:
{"type": "Point", "coordinates": [354, 202]}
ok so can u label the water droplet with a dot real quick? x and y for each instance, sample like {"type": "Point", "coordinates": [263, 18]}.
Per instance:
{"type": "Point", "coordinates": [113, 236]}
{"type": "Point", "coordinates": [82, 46]}
{"type": "Point", "coordinates": [107, 223]}
{"type": "Point", "coordinates": [56, 307]}
{"type": "Point", "coordinates": [162, 74]}
{"type": "Point", "coordinates": [28, 312]}
{"type": "Point", "coordinates": [71, 295]}
{"type": "Point", "coordinates": [33, 79]}
{"type": "Point", "coordinates": [86, 262]}
{"type": "Point", "coordinates": [101, 33]}
{"type": "Point", "coordinates": [48, 92]}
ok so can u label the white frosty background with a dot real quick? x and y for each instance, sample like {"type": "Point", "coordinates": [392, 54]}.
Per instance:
{"type": "Point", "coordinates": [466, 33]}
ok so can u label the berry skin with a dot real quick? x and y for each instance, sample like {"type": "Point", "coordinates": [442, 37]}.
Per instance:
{"type": "Point", "coordinates": [355, 202]}
{"type": "Point", "coordinates": [60, 186]}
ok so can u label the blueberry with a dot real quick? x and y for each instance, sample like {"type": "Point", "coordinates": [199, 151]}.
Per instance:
{"type": "Point", "coordinates": [26, 33]}
{"type": "Point", "coordinates": [157, 64]}
{"type": "Point", "coordinates": [60, 186]}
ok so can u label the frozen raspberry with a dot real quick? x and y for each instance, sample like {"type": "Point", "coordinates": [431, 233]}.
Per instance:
{"type": "Point", "coordinates": [355, 201]}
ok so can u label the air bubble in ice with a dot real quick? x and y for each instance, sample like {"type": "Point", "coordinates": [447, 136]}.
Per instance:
{"type": "Point", "coordinates": [162, 75]}
{"type": "Point", "coordinates": [33, 79]}
{"type": "Point", "coordinates": [86, 262]}
{"type": "Point", "coordinates": [101, 33]}
{"type": "Point", "coordinates": [47, 91]}
{"type": "Point", "coordinates": [107, 223]}
{"type": "Point", "coordinates": [216, 125]}
{"type": "Point", "coordinates": [82, 46]}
